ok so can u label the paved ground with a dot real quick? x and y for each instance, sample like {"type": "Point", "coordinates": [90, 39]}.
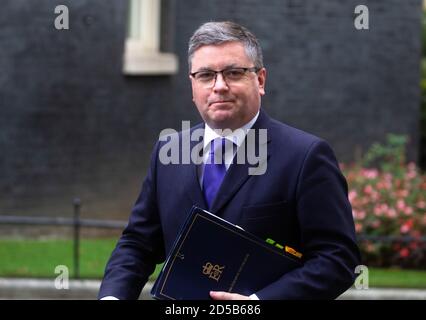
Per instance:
{"type": "Point", "coordinates": [88, 289]}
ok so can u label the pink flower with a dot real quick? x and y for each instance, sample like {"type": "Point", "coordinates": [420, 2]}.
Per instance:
{"type": "Point", "coordinates": [412, 172]}
{"type": "Point", "coordinates": [410, 175]}
{"type": "Point", "coordinates": [421, 204]}
{"type": "Point", "coordinates": [388, 177]}
{"type": "Point", "coordinates": [375, 196]}
{"type": "Point", "coordinates": [402, 193]}
{"type": "Point", "coordinates": [406, 227]}
{"type": "Point", "coordinates": [360, 215]}
{"type": "Point", "coordinates": [368, 189]}
{"type": "Point", "coordinates": [391, 213]}
{"type": "Point", "coordinates": [370, 173]}
{"type": "Point", "coordinates": [404, 253]}
{"type": "Point", "coordinates": [408, 211]}
{"type": "Point", "coordinates": [352, 195]}
{"type": "Point", "coordinates": [400, 204]}
{"type": "Point", "coordinates": [378, 210]}
{"type": "Point", "coordinates": [358, 227]}
{"type": "Point", "coordinates": [384, 184]}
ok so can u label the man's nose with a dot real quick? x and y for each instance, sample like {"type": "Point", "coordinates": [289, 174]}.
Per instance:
{"type": "Point", "coordinates": [220, 83]}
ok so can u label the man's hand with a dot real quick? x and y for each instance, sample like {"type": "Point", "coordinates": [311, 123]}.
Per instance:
{"type": "Point", "coordinates": [221, 295]}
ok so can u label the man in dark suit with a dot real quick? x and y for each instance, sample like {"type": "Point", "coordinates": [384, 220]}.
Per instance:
{"type": "Point", "coordinates": [297, 196]}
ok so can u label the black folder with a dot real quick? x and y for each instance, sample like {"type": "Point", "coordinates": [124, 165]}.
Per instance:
{"type": "Point", "coordinates": [212, 254]}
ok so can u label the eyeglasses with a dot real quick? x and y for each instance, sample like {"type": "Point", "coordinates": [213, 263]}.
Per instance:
{"type": "Point", "coordinates": [207, 78]}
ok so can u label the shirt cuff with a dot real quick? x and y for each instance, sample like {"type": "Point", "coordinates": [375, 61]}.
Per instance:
{"type": "Point", "coordinates": [109, 298]}
{"type": "Point", "coordinates": [254, 297]}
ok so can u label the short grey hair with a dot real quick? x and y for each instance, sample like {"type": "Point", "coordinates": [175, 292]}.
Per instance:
{"type": "Point", "coordinates": [215, 33]}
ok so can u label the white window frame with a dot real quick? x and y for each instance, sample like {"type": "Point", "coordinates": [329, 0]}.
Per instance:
{"type": "Point", "coordinates": [142, 54]}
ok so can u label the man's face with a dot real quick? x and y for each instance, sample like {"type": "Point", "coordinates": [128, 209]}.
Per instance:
{"type": "Point", "coordinates": [227, 105]}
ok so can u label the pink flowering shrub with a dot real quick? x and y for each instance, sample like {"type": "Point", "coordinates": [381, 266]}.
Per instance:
{"type": "Point", "coordinates": [389, 207]}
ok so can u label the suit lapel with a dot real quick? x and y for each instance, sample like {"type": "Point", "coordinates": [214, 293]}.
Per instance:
{"type": "Point", "coordinates": [238, 174]}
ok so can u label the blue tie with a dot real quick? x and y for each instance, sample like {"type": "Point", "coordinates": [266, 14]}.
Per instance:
{"type": "Point", "coordinates": [214, 170]}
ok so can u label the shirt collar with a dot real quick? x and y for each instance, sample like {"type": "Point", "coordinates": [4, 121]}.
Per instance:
{"type": "Point", "coordinates": [237, 136]}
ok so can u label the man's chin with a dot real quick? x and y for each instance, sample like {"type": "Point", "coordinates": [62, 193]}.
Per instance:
{"type": "Point", "coordinates": [221, 115]}
{"type": "Point", "coordinates": [222, 122]}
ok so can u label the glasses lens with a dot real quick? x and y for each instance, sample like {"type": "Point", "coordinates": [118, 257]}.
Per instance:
{"type": "Point", "coordinates": [234, 74]}
{"type": "Point", "coordinates": [205, 76]}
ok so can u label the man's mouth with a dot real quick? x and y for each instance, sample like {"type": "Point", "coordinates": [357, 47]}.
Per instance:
{"type": "Point", "coordinates": [220, 101]}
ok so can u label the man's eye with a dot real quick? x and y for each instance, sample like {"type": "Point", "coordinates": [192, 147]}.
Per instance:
{"type": "Point", "coordinates": [234, 73]}
{"type": "Point", "coordinates": [205, 75]}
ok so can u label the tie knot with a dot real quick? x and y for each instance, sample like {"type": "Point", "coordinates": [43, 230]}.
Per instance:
{"type": "Point", "coordinates": [217, 150]}
{"type": "Point", "coordinates": [217, 144]}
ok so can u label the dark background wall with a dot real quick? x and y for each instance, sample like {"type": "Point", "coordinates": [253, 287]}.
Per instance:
{"type": "Point", "coordinates": [71, 124]}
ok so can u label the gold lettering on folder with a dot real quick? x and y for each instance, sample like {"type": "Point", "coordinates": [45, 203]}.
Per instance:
{"type": "Point", "coordinates": [213, 271]}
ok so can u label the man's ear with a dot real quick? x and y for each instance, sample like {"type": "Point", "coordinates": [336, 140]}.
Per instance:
{"type": "Point", "coordinates": [192, 87]}
{"type": "Point", "coordinates": [261, 78]}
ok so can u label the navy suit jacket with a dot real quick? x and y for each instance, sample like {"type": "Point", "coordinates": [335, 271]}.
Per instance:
{"type": "Point", "coordinates": [301, 201]}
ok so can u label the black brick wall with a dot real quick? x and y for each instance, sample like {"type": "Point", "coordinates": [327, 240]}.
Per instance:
{"type": "Point", "coordinates": [71, 124]}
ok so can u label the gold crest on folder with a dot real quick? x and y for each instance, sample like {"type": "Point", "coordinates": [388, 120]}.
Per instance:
{"type": "Point", "coordinates": [213, 271]}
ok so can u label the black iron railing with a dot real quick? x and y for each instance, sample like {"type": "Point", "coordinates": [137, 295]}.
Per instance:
{"type": "Point", "coordinates": [75, 222]}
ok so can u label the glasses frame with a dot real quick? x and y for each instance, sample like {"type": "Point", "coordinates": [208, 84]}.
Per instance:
{"type": "Point", "coordinates": [210, 85]}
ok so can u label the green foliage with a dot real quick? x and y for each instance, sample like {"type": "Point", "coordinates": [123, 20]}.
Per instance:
{"type": "Point", "coordinates": [388, 157]}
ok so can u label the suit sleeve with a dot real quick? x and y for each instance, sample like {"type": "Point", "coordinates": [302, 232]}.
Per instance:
{"type": "Point", "coordinates": [140, 246]}
{"type": "Point", "coordinates": [327, 232]}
